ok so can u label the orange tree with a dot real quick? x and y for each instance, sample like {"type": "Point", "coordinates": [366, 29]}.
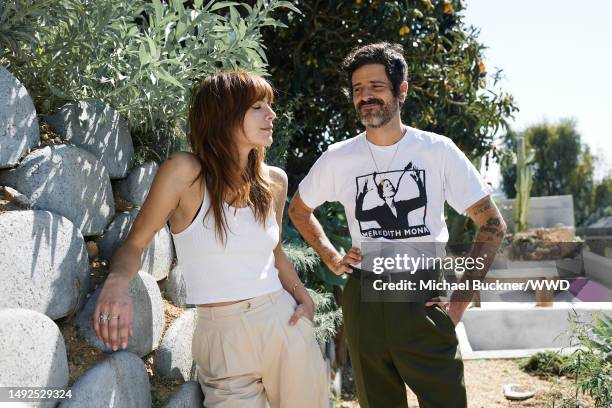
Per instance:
{"type": "Point", "coordinates": [448, 93]}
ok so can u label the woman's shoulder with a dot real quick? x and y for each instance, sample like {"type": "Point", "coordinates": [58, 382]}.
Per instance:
{"type": "Point", "coordinates": [182, 166]}
{"type": "Point", "coordinates": [276, 175]}
{"type": "Point", "coordinates": [185, 158]}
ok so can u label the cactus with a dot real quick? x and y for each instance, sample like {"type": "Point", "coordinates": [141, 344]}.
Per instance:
{"type": "Point", "coordinates": [523, 183]}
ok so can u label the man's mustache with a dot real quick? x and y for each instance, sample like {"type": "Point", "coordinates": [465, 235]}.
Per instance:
{"type": "Point", "coordinates": [373, 101]}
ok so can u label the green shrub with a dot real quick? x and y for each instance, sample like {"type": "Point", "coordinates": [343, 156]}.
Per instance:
{"type": "Point", "coordinates": [328, 316]}
{"type": "Point", "coordinates": [590, 365]}
{"type": "Point", "coordinates": [546, 363]}
{"type": "Point", "coordinates": [141, 57]}
{"type": "Point", "coordinates": [17, 21]}
{"type": "Point", "coordinates": [592, 362]}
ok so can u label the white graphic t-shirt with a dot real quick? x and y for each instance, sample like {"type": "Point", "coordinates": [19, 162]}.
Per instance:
{"type": "Point", "coordinates": [395, 193]}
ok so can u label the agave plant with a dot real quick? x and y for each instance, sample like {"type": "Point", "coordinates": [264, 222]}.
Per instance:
{"type": "Point", "coordinates": [524, 159]}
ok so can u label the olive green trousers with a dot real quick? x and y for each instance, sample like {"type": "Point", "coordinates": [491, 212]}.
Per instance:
{"type": "Point", "coordinates": [394, 344]}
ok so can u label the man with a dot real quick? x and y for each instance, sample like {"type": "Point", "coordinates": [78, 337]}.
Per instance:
{"type": "Point", "coordinates": [394, 344]}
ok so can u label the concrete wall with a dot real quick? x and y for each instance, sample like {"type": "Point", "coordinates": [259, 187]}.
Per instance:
{"type": "Point", "coordinates": [598, 268]}
{"type": "Point", "coordinates": [525, 326]}
{"type": "Point", "coordinates": [543, 211]}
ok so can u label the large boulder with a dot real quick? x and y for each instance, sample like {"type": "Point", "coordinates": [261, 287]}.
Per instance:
{"type": "Point", "coordinates": [137, 185]}
{"type": "Point", "coordinates": [173, 358]}
{"type": "Point", "coordinates": [175, 289]}
{"type": "Point", "coordinates": [18, 123]}
{"type": "Point", "coordinates": [33, 352]}
{"type": "Point", "coordinates": [189, 395]}
{"type": "Point", "coordinates": [147, 322]}
{"type": "Point", "coordinates": [120, 381]}
{"type": "Point", "coordinates": [99, 129]}
{"type": "Point", "coordinates": [43, 263]}
{"type": "Point", "coordinates": [157, 256]}
{"type": "Point", "coordinates": [68, 181]}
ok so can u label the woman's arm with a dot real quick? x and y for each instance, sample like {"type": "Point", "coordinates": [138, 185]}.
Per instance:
{"type": "Point", "coordinates": [172, 178]}
{"type": "Point", "coordinates": [286, 272]}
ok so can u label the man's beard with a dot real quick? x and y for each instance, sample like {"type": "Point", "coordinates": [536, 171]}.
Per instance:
{"type": "Point", "coordinates": [382, 117]}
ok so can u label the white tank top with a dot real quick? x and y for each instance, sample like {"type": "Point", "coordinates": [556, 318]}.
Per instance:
{"type": "Point", "coordinates": [241, 269]}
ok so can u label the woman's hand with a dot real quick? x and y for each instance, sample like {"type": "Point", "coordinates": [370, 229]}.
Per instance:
{"type": "Point", "coordinates": [115, 305]}
{"type": "Point", "coordinates": [305, 307]}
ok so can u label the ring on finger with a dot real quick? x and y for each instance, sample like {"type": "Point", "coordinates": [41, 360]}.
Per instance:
{"type": "Point", "coordinates": [106, 317]}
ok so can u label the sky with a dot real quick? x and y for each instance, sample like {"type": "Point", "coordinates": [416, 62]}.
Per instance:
{"type": "Point", "coordinates": [556, 58]}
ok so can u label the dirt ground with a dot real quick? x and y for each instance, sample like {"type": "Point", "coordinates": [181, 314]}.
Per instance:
{"type": "Point", "coordinates": [484, 381]}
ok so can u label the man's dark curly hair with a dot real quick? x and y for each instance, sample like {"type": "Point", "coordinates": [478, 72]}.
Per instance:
{"type": "Point", "coordinates": [391, 56]}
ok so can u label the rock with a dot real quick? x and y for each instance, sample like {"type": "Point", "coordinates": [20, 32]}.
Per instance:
{"type": "Point", "coordinates": [33, 352]}
{"type": "Point", "coordinates": [147, 322]}
{"type": "Point", "coordinates": [176, 291]}
{"type": "Point", "coordinates": [516, 392]}
{"type": "Point", "coordinates": [15, 197]}
{"type": "Point", "coordinates": [119, 381]}
{"type": "Point", "coordinates": [68, 181]}
{"type": "Point", "coordinates": [189, 395]}
{"type": "Point", "coordinates": [99, 129]}
{"type": "Point", "coordinates": [92, 249]}
{"type": "Point", "coordinates": [173, 358]}
{"type": "Point", "coordinates": [157, 257]}
{"type": "Point", "coordinates": [136, 186]}
{"type": "Point", "coordinates": [18, 123]}
{"type": "Point", "coordinates": [43, 263]}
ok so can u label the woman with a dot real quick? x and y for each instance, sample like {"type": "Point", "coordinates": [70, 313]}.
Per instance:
{"type": "Point", "coordinates": [254, 339]}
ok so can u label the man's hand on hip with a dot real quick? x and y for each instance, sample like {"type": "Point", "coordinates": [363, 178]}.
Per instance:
{"type": "Point", "coordinates": [454, 310]}
{"type": "Point", "coordinates": [341, 264]}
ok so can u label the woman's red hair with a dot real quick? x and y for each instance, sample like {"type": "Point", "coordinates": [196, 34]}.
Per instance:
{"type": "Point", "coordinates": [217, 109]}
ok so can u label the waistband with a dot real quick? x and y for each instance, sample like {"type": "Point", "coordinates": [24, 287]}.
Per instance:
{"type": "Point", "coordinates": [372, 292]}
{"type": "Point", "coordinates": [218, 312]}
{"type": "Point", "coordinates": [387, 277]}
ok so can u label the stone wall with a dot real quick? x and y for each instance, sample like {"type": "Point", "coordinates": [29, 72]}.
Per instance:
{"type": "Point", "coordinates": [59, 215]}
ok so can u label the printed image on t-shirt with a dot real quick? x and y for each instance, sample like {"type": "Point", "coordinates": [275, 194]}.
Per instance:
{"type": "Point", "coordinates": [392, 204]}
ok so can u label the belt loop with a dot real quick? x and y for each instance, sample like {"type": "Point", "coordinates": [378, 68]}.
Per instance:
{"type": "Point", "coordinates": [212, 313]}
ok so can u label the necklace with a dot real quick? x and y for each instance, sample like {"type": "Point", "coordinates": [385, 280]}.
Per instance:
{"type": "Point", "coordinates": [394, 153]}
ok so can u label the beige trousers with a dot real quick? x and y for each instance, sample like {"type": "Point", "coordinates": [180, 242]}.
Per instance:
{"type": "Point", "coordinates": [248, 356]}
